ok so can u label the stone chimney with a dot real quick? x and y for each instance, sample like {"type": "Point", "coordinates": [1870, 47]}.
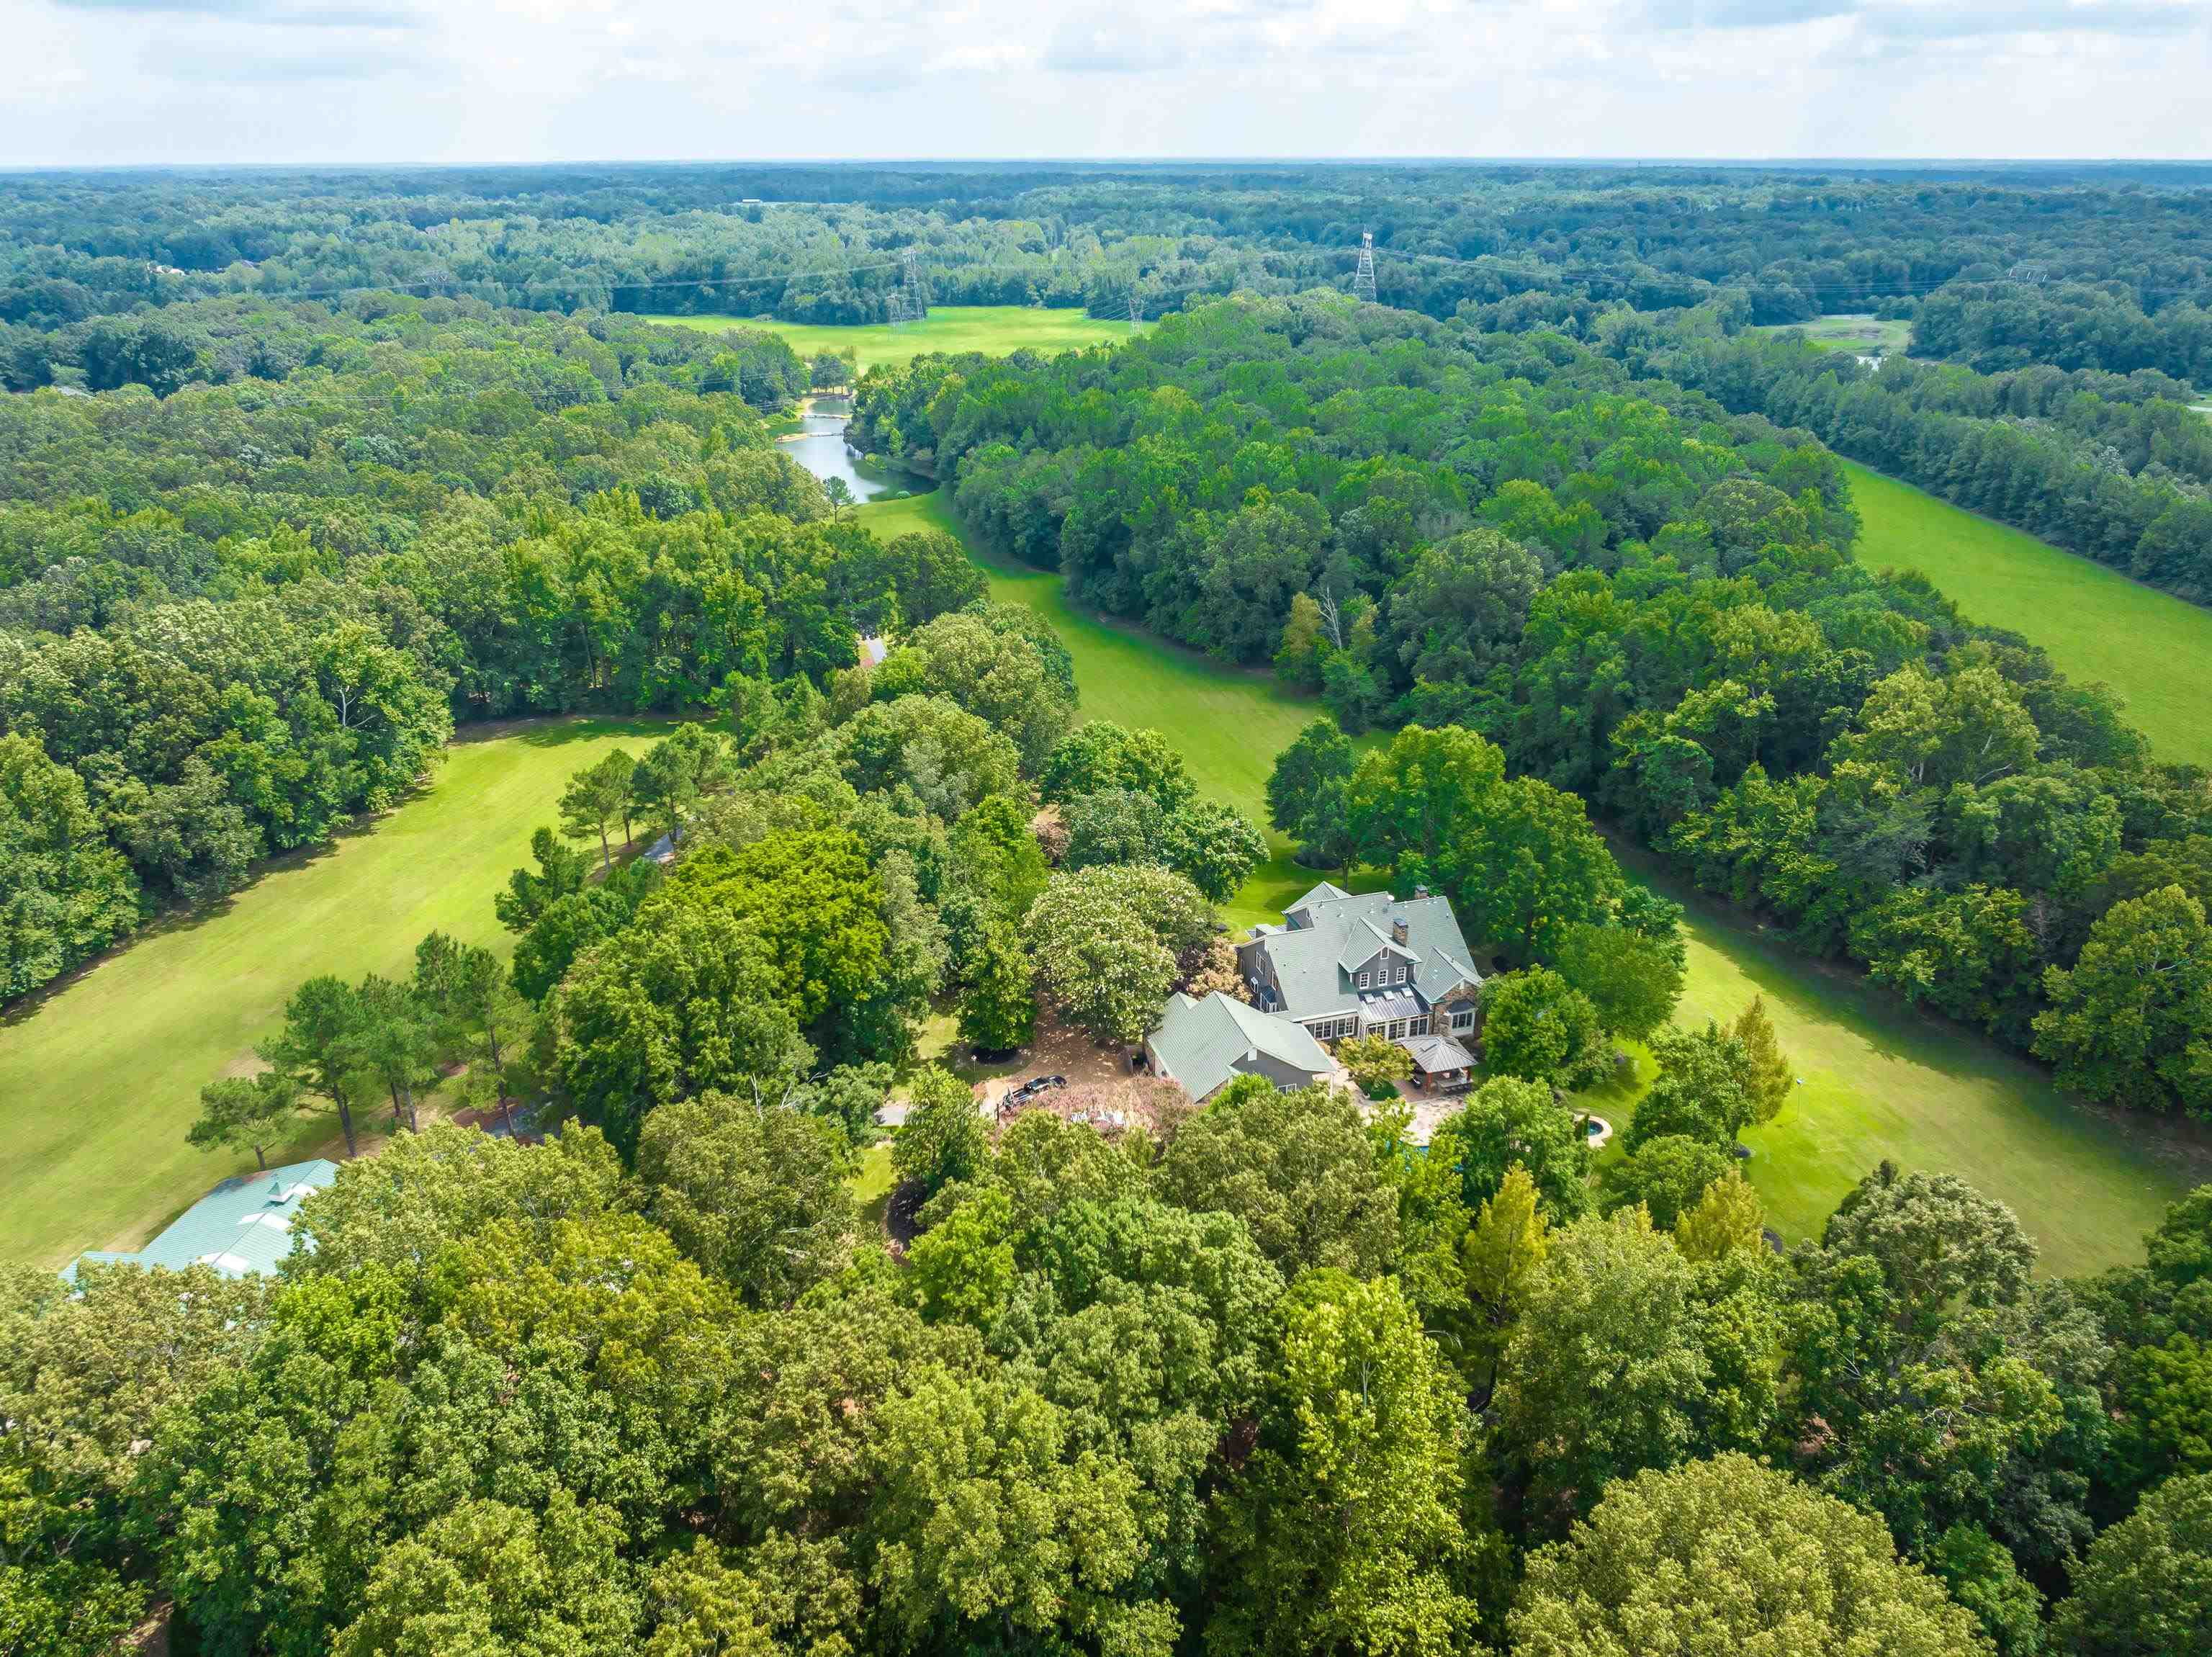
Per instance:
{"type": "Point", "coordinates": [1398, 930]}
{"type": "Point", "coordinates": [1420, 893]}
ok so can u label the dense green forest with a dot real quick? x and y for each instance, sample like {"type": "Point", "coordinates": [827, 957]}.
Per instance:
{"type": "Point", "coordinates": [235, 616]}
{"type": "Point", "coordinates": [2101, 274]}
{"type": "Point", "coordinates": [2086, 267]}
{"type": "Point", "coordinates": [1264, 1377]}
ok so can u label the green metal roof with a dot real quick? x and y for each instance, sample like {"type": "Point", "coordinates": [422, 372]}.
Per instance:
{"type": "Point", "coordinates": [1201, 1042]}
{"type": "Point", "coordinates": [243, 1225]}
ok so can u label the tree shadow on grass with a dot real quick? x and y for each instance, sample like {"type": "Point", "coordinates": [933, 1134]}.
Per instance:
{"type": "Point", "coordinates": [562, 730]}
{"type": "Point", "coordinates": [1841, 995]}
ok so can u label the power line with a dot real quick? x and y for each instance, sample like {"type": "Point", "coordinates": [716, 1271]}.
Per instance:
{"type": "Point", "coordinates": [1872, 290]}
{"type": "Point", "coordinates": [917, 300]}
{"type": "Point", "coordinates": [1364, 276]}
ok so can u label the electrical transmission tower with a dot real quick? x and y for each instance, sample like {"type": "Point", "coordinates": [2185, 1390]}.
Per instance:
{"type": "Point", "coordinates": [1363, 280]}
{"type": "Point", "coordinates": [1135, 310]}
{"type": "Point", "coordinates": [917, 303]}
{"type": "Point", "coordinates": [895, 299]}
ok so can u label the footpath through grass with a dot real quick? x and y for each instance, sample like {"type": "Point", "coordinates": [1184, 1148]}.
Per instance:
{"type": "Point", "coordinates": [99, 1078]}
{"type": "Point", "coordinates": [2151, 648]}
{"type": "Point", "coordinates": [997, 329]}
{"type": "Point", "coordinates": [1879, 1080]}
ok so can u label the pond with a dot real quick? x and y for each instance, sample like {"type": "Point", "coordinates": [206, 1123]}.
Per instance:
{"type": "Point", "coordinates": [820, 448]}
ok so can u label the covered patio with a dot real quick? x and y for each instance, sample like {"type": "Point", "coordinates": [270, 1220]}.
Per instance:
{"type": "Point", "coordinates": [1441, 1065]}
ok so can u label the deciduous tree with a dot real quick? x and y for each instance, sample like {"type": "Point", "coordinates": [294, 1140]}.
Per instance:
{"type": "Point", "coordinates": [1296, 1167]}
{"type": "Point", "coordinates": [2128, 1022]}
{"type": "Point", "coordinates": [1632, 979]}
{"type": "Point", "coordinates": [1343, 1533]}
{"type": "Point", "coordinates": [1727, 1555]}
{"type": "Point", "coordinates": [1539, 1027]}
{"type": "Point", "coordinates": [2146, 1588]}
{"type": "Point", "coordinates": [754, 1192]}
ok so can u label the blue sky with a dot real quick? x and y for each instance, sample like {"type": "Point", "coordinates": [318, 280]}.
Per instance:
{"type": "Point", "coordinates": [110, 81]}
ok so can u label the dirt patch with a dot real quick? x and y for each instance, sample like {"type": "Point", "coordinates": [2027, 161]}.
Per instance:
{"type": "Point", "coordinates": [1115, 1106]}
{"type": "Point", "coordinates": [1057, 1050]}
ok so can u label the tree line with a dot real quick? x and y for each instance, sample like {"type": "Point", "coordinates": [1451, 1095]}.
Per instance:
{"type": "Point", "coordinates": [2118, 470]}
{"type": "Point", "coordinates": [2080, 267]}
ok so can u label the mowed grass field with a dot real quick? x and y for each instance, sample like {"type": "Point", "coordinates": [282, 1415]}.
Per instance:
{"type": "Point", "coordinates": [100, 1079]}
{"type": "Point", "coordinates": [1879, 1081]}
{"type": "Point", "coordinates": [1854, 332]}
{"type": "Point", "coordinates": [2151, 648]}
{"type": "Point", "coordinates": [997, 329]}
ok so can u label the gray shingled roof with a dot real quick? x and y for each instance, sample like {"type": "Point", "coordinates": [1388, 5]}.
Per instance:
{"type": "Point", "coordinates": [1199, 1043]}
{"type": "Point", "coordinates": [1330, 928]}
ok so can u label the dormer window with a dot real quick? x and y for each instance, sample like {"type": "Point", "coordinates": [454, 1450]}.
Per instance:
{"type": "Point", "coordinates": [1363, 980]}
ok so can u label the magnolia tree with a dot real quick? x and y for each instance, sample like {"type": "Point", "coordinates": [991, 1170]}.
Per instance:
{"type": "Point", "coordinates": [1108, 944]}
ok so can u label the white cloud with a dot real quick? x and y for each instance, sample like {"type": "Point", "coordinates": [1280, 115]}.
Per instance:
{"type": "Point", "coordinates": [123, 81]}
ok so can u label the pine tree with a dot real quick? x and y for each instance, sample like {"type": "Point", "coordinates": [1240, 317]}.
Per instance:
{"type": "Point", "coordinates": [1769, 1078]}
{"type": "Point", "coordinates": [1726, 1218]}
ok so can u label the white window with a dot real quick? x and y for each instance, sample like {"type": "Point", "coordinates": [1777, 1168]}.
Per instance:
{"type": "Point", "coordinates": [1402, 971]}
{"type": "Point", "coordinates": [1363, 980]}
{"type": "Point", "coordinates": [1463, 1018]}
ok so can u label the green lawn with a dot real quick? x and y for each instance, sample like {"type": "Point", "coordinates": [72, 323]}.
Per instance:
{"type": "Point", "coordinates": [100, 1080]}
{"type": "Point", "coordinates": [1879, 1081]}
{"type": "Point", "coordinates": [996, 329]}
{"type": "Point", "coordinates": [1853, 332]}
{"type": "Point", "coordinates": [1229, 724]}
{"type": "Point", "coordinates": [2154, 648]}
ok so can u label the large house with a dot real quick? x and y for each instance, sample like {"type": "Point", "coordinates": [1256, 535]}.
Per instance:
{"type": "Point", "coordinates": [1205, 1044]}
{"type": "Point", "coordinates": [1369, 966]}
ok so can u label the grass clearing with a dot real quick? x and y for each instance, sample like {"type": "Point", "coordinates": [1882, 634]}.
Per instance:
{"type": "Point", "coordinates": [1856, 332]}
{"type": "Point", "coordinates": [996, 329]}
{"type": "Point", "coordinates": [99, 1078]}
{"type": "Point", "coordinates": [2151, 648]}
{"type": "Point", "coordinates": [1882, 1081]}
{"type": "Point", "coordinates": [1879, 1080]}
